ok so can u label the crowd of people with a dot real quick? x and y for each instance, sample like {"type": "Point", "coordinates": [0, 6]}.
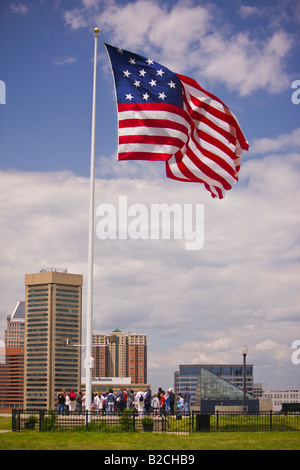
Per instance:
{"type": "Point", "coordinates": [159, 403]}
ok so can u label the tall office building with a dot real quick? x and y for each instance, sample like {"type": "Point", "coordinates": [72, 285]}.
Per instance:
{"type": "Point", "coordinates": [121, 355]}
{"type": "Point", "coordinates": [52, 330]}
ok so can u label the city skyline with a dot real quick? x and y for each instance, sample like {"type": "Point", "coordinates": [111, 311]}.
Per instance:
{"type": "Point", "coordinates": [198, 306]}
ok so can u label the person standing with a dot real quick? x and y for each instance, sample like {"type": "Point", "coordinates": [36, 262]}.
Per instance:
{"type": "Point", "coordinates": [110, 402]}
{"type": "Point", "coordinates": [147, 400]}
{"type": "Point", "coordinates": [187, 401]}
{"type": "Point", "coordinates": [130, 399]}
{"type": "Point", "coordinates": [61, 398]}
{"type": "Point", "coordinates": [162, 410]}
{"type": "Point", "coordinates": [67, 404]}
{"type": "Point", "coordinates": [125, 398]}
{"type": "Point", "coordinates": [98, 403]}
{"type": "Point", "coordinates": [180, 404]}
{"type": "Point", "coordinates": [120, 400]}
{"type": "Point", "coordinates": [139, 401]}
{"type": "Point", "coordinates": [167, 403]}
{"type": "Point", "coordinates": [79, 402]}
{"type": "Point", "coordinates": [155, 404]}
{"type": "Point", "coordinates": [72, 397]}
{"type": "Point", "coordinates": [103, 398]}
{"type": "Point", "coordinates": [172, 400]}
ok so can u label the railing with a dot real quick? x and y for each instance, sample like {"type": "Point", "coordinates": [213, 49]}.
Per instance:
{"type": "Point", "coordinates": [126, 421]}
{"type": "Point", "coordinates": [225, 421]}
{"type": "Point", "coordinates": [131, 421]}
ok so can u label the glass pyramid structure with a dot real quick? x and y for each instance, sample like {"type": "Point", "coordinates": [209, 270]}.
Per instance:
{"type": "Point", "coordinates": [212, 388]}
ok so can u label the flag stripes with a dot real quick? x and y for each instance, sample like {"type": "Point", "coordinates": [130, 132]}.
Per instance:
{"type": "Point", "coordinates": [214, 149]}
{"type": "Point", "coordinates": [151, 131]}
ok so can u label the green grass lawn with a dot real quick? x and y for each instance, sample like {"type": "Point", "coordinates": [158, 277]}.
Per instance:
{"type": "Point", "coordinates": [35, 440]}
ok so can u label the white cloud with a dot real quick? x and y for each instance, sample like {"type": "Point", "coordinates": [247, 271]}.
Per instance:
{"type": "Point", "coordinates": [248, 11]}
{"type": "Point", "coordinates": [248, 64]}
{"type": "Point", "coordinates": [191, 39]}
{"type": "Point", "coordinates": [289, 141]}
{"type": "Point", "coordinates": [64, 61]}
{"type": "Point", "coordinates": [266, 345]}
{"type": "Point", "coordinates": [19, 8]}
{"type": "Point", "coordinates": [75, 18]}
{"type": "Point", "coordinates": [241, 288]}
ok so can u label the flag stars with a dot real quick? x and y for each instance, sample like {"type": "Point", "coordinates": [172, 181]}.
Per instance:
{"type": "Point", "coordinates": [162, 95]}
{"type": "Point", "coordinates": [144, 81]}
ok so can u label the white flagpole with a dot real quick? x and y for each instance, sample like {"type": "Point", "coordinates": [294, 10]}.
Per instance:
{"type": "Point", "coordinates": [89, 314]}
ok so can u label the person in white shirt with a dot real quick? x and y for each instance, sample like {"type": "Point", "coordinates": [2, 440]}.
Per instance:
{"type": "Point", "coordinates": [139, 401]}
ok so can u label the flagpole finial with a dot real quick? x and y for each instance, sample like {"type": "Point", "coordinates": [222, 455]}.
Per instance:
{"type": "Point", "coordinates": [96, 30]}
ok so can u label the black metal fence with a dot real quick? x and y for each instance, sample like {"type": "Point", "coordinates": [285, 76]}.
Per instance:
{"type": "Point", "coordinates": [126, 421]}
{"type": "Point", "coordinates": [224, 421]}
{"type": "Point", "coordinates": [131, 421]}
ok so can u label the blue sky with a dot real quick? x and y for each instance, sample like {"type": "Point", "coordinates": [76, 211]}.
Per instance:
{"type": "Point", "coordinates": [46, 63]}
{"type": "Point", "coordinates": [242, 287]}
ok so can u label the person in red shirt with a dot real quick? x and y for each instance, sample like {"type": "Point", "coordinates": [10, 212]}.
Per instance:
{"type": "Point", "coordinates": [162, 404]}
{"type": "Point", "coordinates": [125, 396]}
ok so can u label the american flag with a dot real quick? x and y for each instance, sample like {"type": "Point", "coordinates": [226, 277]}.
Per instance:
{"type": "Point", "coordinates": [170, 117]}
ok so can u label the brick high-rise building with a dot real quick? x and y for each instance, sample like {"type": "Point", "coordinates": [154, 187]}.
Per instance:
{"type": "Point", "coordinates": [52, 325]}
{"type": "Point", "coordinates": [121, 355]}
{"type": "Point", "coordinates": [137, 358]}
{"type": "Point", "coordinates": [100, 355]}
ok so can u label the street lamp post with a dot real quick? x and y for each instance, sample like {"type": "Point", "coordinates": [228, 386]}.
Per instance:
{"type": "Point", "coordinates": [244, 351]}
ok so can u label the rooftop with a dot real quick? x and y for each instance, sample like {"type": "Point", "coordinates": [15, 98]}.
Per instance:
{"type": "Point", "coordinates": [19, 312]}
